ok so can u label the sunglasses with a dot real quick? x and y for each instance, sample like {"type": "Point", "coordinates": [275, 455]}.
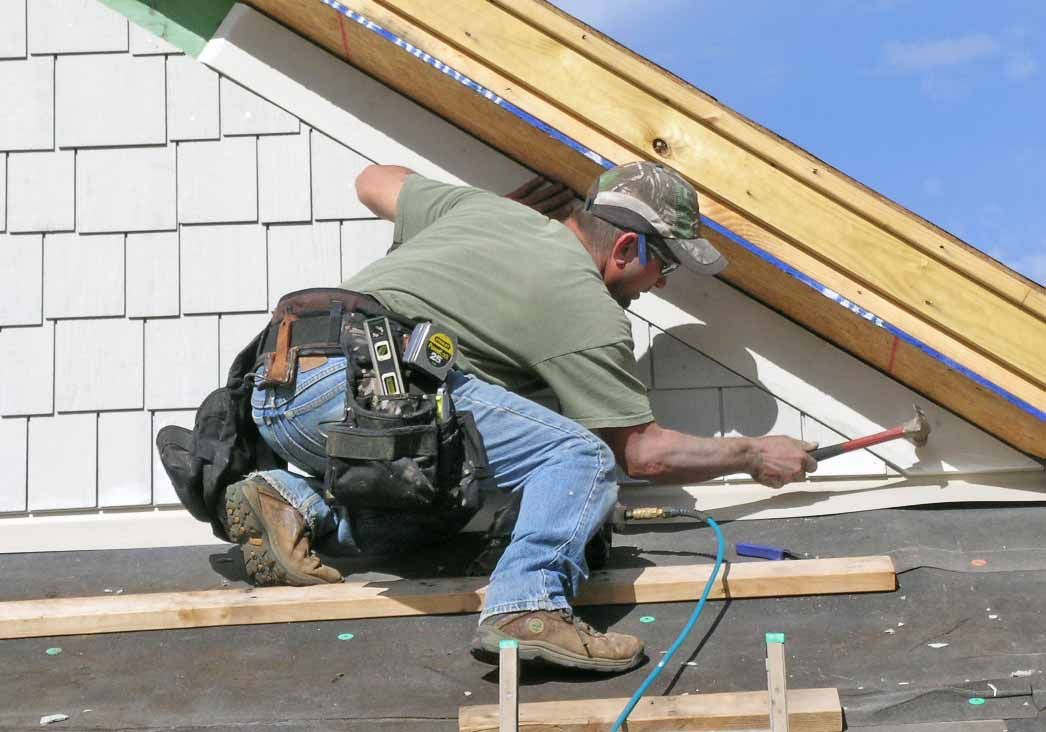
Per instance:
{"type": "Point", "coordinates": [669, 263]}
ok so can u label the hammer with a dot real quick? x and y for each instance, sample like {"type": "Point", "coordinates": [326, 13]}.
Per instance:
{"type": "Point", "coordinates": [916, 429]}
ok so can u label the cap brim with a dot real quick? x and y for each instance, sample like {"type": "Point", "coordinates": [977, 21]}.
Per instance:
{"type": "Point", "coordinates": [697, 255]}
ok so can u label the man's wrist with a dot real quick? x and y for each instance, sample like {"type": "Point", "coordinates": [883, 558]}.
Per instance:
{"type": "Point", "coordinates": [749, 455]}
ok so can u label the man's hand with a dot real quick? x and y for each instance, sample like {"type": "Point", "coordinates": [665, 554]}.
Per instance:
{"type": "Point", "coordinates": [546, 197]}
{"type": "Point", "coordinates": [777, 460]}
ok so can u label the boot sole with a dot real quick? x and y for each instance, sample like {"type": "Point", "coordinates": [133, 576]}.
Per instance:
{"type": "Point", "coordinates": [262, 562]}
{"type": "Point", "coordinates": [486, 647]}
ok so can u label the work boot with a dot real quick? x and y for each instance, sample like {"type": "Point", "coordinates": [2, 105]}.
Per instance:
{"type": "Point", "coordinates": [560, 638]}
{"type": "Point", "coordinates": [273, 537]}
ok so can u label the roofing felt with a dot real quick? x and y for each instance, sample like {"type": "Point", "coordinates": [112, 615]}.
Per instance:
{"type": "Point", "coordinates": [964, 620]}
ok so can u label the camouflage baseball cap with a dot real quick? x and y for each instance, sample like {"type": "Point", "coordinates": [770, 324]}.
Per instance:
{"type": "Point", "coordinates": [651, 199]}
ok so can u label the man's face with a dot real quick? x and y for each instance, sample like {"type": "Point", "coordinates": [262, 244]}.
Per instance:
{"type": "Point", "coordinates": [627, 278]}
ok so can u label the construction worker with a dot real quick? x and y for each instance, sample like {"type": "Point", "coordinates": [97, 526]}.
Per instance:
{"type": "Point", "coordinates": [534, 301]}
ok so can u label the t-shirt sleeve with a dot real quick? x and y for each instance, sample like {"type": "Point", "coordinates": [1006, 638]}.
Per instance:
{"type": "Point", "coordinates": [598, 387]}
{"type": "Point", "coordinates": [422, 201]}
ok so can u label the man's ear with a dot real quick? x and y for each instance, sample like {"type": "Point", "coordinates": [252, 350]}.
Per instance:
{"type": "Point", "coordinates": [626, 248]}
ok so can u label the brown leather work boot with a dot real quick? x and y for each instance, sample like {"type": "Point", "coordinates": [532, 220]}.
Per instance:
{"type": "Point", "coordinates": [558, 637]}
{"type": "Point", "coordinates": [273, 537]}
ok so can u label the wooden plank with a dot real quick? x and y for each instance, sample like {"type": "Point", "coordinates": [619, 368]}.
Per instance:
{"type": "Point", "coordinates": [806, 168]}
{"type": "Point", "coordinates": [777, 683]}
{"type": "Point", "coordinates": [582, 89]}
{"type": "Point", "coordinates": [448, 98]}
{"type": "Point", "coordinates": [508, 686]}
{"type": "Point", "coordinates": [395, 598]}
{"type": "Point", "coordinates": [810, 710]}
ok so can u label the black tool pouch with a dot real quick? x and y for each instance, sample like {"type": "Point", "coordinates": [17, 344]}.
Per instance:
{"type": "Point", "coordinates": [396, 452]}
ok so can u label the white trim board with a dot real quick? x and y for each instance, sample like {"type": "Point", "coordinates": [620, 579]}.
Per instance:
{"type": "Point", "coordinates": [154, 528]}
{"type": "Point", "coordinates": [349, 106]}
{"type": "Point", "coordinates": [819, 379]}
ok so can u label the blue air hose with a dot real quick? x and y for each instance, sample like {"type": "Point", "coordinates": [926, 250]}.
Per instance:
{"type": "Point", "coordinates": [721, 544]}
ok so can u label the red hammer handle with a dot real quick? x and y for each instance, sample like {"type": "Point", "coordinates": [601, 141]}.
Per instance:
{"type": "Point", "coordinates": [823, 453]}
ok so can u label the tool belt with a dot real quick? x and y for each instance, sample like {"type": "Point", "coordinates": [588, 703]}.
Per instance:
{"type": "Point", "coordinates": [390, 453]}
{"type": "Point", "coordinates": [410, 451]}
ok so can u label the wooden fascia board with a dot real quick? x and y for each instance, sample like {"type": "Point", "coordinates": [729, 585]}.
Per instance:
{"type": "Point", "coordinates": [507, 53]}
{"type": "Point", "coordinates": [1001, 401]}
{"type": "Point", "coordinates": [799, 163]}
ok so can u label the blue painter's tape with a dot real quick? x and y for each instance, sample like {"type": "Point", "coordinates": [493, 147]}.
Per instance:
{"type": "Point", "coordinates": [761, 253]}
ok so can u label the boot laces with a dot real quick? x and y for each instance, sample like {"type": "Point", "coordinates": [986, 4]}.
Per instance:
{"type": "Point", "coordinates": [584, 630]}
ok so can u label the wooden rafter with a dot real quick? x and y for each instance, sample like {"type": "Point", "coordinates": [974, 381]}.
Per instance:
{"type": "Point", "coordinates": [963, 330]}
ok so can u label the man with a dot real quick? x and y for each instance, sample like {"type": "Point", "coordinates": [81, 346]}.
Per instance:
{"type": "Point", "coordinates": [533, 302]}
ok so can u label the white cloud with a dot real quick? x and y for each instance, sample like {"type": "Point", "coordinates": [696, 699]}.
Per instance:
{"type": "Point", "coordinates": [925, 55]}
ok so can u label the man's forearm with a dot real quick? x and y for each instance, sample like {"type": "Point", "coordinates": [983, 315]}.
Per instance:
{"type": "Point", "coordinates": [676, 457]}
{"type": "Point", "coordinates": [661, 455]}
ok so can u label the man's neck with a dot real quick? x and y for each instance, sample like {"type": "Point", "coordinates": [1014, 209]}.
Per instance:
{"type": "Point", "coordinates": [571, 224]}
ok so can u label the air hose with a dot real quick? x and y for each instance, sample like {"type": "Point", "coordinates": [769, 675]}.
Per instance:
{"type": "Point", "coordinates": [640, 514]}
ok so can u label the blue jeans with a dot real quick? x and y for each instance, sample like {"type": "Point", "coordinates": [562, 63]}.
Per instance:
{"type": "Point", "coordinates": [565, 472]}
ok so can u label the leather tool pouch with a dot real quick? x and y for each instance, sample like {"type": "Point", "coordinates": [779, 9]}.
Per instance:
{"type": "Point", "coordinates": [397, 452]}
{"type": "Point", "coordinates": [390, 452]}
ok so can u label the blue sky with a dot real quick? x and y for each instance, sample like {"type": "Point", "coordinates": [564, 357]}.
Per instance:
{"type": "Point", "coordinates": [940, 106]}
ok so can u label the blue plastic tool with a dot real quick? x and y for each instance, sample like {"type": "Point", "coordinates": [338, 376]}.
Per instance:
{"type": "Point", "coordinates": [763, 552]}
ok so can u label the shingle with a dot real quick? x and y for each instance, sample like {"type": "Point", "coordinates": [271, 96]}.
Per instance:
{"type": "Point", "coordinates": [752, 412]}
{"type": "Point", "coordinates": [223, 269]}
{"type": "Point", "coordinates": [3, 191]}
{"type": "Point", "coordinates": [125, 189]}
{"type": "Point", "coordinates": [40, 191]}
{"type": "Point", "coordinates": [152, 274]}
{"type": "Point", "coordinates": [75, 26]}
{"type": "Point", "coordinates": [303, 256]}
{"type": "Point", "coordinates": [334, 171]}
{"type": "Point", "coordinates": [62, 461]}
{"type": "Point", "coordinates": [363, 242]}
{"type": "Point", "coordinates": [284, 193]}
{"type": "Point", "coordinates": [124, 459]}
{"type": "Point", "coordinates": [181, 362]}
{"type": "Point", "coordinates": [108, 100]}
{"type": "Point", "coordinates": [680, 366]}
{"type": "Point", "coordinates": [27, 370]}
{"type": "Point", "coordinates": [163, 491]}
{"type": "Point", "coordinates": [98, 365]}
{"type": "Point", "coordinates": [695, 411]}
{"type": "Point", "coordinates": [21, 279]}
{"type": "Point", "coordinates": [192, 100]}
{"type": "Point", "coordinates": [217, 181]}
{"type": "Point", "coordinates": [13, 454]}
{"type": "Point", "coordinates": [144, 43]}
{"type": "Point", "coordinates": [12, 28]}
{"type": "Point", "coordinates": [83, 275]}
{"type": "Point", "coordinates": [29, 124]}
{"type": "Point", "coordinates": [245, 113]}
{"type": "Point", "coordinates": [236, 331]}
{"type": "Point", "coordinates": [858, 462]}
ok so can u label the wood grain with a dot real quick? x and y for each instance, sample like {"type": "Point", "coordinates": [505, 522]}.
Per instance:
{"type": "Point", "coordinates": [810, 710]}
{"type": "Point", "coordinates": [632, 116]}
{"type": "Point", "coordinates": [397, 598]}
{"type": "Point", "coordinates": [490, 122]}
{"type": "Point", "coordinates": [774, 149]}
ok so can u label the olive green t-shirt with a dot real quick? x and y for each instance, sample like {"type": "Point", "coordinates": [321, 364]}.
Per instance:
{"type": "Point", "coordinates": [523, 296]}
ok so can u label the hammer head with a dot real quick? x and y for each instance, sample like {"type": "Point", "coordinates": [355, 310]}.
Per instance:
{"type": "Point", "coordinates": [917, 429]}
